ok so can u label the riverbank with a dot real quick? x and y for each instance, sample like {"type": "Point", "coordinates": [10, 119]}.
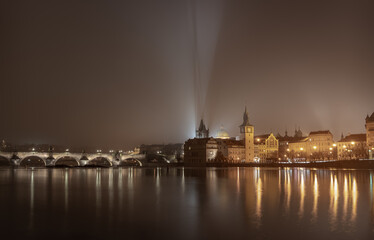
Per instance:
{"type": "Point", "coordinates": [348, 164]}
{"type": "Point", "coordinates": [344, 164]}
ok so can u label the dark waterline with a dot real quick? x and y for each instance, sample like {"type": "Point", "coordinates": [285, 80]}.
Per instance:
{"type": "Point", "coordinates": [187, 203]}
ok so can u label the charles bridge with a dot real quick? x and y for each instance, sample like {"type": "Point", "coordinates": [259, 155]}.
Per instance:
{"type": "Point", "coordinates": [49, 159]}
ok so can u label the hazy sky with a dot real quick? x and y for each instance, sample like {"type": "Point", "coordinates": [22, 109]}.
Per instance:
{"type": "Point", "coordinates": [115, 74]}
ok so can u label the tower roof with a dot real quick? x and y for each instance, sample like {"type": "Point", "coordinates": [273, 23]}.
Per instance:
{"type": "Point", "coordinates": [371, 118]}
{"type": "Point", "coordinates": [222, 134]}
{"type": "Point", "coordinates": [245, 119]}
{"type": "Point", "coordinates": [202, 126]}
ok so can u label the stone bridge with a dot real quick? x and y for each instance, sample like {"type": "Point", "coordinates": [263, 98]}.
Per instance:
{"type": "Point", "coordinates": [40, 159]}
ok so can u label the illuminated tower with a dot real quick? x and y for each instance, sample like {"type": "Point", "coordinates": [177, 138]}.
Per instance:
{"type": "Point", "coordinates": [247, 134]}
{"type": "Point", "coordinates": [202, 131]}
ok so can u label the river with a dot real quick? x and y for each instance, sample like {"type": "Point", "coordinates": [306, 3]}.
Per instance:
{"type": "Point", "coordinates": [187, 203]}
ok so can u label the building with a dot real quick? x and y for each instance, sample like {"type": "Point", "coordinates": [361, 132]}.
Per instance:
{"type": "Point", "coordinates": [200, 150]}
{"type": "Point", "coordinates": [352, 146]}
{"type": "Point", "coordinates": [369, 125]}
{"type": "Point", "coordinates": [317, 146]}
{"type": "Point", "coordinates": [222, 134]}
{"type": "Point", "coordinates": [202, 131]}
{"type": "Point", "coordinates": [173, 152]}
{"type": "Point", "coordinates": [247, 135]}
{"type": "Point", "coordinates": [266, 147]}
{"type": "Point", "coordinates": [283, 141]}
{"type": "Point", "coordinates": [232, 150]}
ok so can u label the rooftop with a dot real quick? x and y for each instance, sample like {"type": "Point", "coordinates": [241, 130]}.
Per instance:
{"type": "Point", "coordinates": [354, 138]}
{"type": "Point", "coordinates": [320, 132]}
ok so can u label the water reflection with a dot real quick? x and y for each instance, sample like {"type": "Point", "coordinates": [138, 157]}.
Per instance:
{"type": "Point", "coordinates": [66, 189]}
{"type": "Point", "coordinates": [288, 189]}
{"type": "Point", "coordinates": [334, 197]}
{"type": "Point", "coordinates": [98, 191]}
{"type": "Point", "coordinates": [346, 195]}
{"type": "Point", "coordinates": [315, 198]}
{"type": "Point", "coordinates": [228, 203]}
{"type": "Point", "coordinates": [32, 200]}
{"type": "Point", "coordinates": [302, 195]}
{"type": "Point", "coordinates": [354, 200]}
{"type": "Point", "coordinates": [258, 199]}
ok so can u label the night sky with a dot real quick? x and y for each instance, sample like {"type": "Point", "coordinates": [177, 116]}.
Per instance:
{"type": "Point", "coordinates": [115, 74]}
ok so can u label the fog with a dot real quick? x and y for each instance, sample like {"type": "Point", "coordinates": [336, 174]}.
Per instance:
{"type": "Point", "coordinates": [116, 74]}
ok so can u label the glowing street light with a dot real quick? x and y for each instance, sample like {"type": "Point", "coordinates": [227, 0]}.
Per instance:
{"type": "Point", "coordinates": [314, 147]}
{"type": "Point", "coordinates": [334, 145]}
{"type": "Point", "coordinates": [353, 143]}
{"type": "Point", "coordinates": [301, 149]}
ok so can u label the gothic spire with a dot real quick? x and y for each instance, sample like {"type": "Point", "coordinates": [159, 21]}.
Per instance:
{"type": "Point", "coordinates": [245, 118]}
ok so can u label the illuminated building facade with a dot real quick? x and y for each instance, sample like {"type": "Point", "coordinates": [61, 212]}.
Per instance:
{"type": "Point", "coordinates": [319, 145]}
{"type": "Point", "coordinates": [266, 147]}
{"type": "Point", "coordinates": [232, 150]}
{"type": "Point", "coordinates": [283, 141]}
{"type": "Point", "coordinates": [369, 125]}
{"type": "Point", "coordinates": [247, 135]}
{"type": "Point", "coordinates": [352, 146]}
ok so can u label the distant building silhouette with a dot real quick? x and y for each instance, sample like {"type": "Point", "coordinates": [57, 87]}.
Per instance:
{"type": "Point", "coordinates": [202, 131]}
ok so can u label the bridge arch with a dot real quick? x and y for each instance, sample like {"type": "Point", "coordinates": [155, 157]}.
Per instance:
{"type": "Point", "coordinates": [32, 161]}
{"type": "Point", "coordinates": [132, 161]}
{"type": "Point", "coordinates": [100, 162]}
{"type": "Point", "coordinates": [4, 161]}
{"type": "Point", "coordinates": [67, 161]}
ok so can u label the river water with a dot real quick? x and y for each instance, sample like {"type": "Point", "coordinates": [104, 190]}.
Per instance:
{"type": "Point", "coordinates": [187, 203]}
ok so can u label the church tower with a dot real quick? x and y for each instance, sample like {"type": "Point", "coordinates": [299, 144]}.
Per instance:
{"type": "Point", "coordinates": [202, 131]}
{"type": "Point", "coordinates": [247, 134]}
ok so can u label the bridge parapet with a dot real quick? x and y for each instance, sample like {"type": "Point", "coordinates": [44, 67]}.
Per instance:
{"type": "Point", "coordinates": [50, 158]}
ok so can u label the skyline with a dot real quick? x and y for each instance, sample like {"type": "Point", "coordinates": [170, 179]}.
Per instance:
{"type": "Point", "coordinates": [120, 74]}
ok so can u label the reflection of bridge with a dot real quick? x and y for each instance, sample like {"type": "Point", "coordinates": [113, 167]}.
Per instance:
{"type": "Point", "coordinates": [40, 159]}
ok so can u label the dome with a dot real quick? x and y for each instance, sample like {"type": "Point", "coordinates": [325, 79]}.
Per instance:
{"type": "Point", "coordinates": [222, 134]}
